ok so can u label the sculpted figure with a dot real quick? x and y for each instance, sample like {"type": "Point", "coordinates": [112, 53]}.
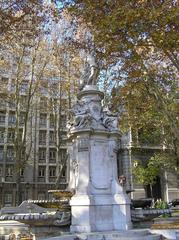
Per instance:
{"type": "Point", "coordinates": [91, 71]}
{"type": "Point", "coordinates": [110, 120]}
{"type": "Point", "coordinates": [94, 70]}
{"type": "Point", "coordinates": [81, 115]}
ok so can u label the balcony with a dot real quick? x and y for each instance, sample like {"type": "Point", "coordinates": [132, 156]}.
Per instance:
{"type": "Point", "coordinates": [43, 120]}
{"type": "Point", "coordinates": [63, 180]}
{"type": "Point", "coordinates": [9, 178]}
{"type": "Point", "coordinates": [10, 140]}
{"type": "Point", "coordinates": [2, 122]}
{"type": "Point", "coordinates": [2, 105]}
{"type": "Point", "coordinates": [52, 160]}
{"type": "Point", "coordinates": [12, 105]}
{"type": "Point", "coordinates": [41, 179]}
{"type": "Point", "coordinates": [42, 124]}
{"type": "Point", "coordinates": [10, 159]}
{"type": "Point", "coordinates": [51, 143]}
{"type": "Point", "coordinates": [42, 142]}
{"type": "Point", "coordinates": [22, 179]}
{"type": "Point", "coordinates": [11, 123]}
{"type": "Point", "coordinates": [52, 179]}
{"type": "Point", "coordinates": [52, 124]}
{"type": "Point", "coordinates": [42, 160]}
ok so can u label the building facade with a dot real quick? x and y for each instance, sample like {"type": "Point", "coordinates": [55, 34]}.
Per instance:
{"type": "Point", "coordinates": [44, 144]}
{"type": "Point", "coordinates": [45, 167]}
{"type": "Point", "coordinates": [167, 183]}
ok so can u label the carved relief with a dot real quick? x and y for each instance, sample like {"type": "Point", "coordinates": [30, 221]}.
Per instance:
{"type": "Point", "coordinates": [110, 120]}
{"type": "Point", "coordinates": [75, 166]}
{"type": "Point", "coordinates": [81, 116]}
{"type": "Point", "coordinates": [90, 114]}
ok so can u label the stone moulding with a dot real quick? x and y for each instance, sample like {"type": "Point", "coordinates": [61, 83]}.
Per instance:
{"type": "Point", "coordinates": [91, 90]}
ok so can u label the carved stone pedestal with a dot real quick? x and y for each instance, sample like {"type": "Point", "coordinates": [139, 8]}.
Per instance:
{"type": "Point", "coordinates": [99, 203]}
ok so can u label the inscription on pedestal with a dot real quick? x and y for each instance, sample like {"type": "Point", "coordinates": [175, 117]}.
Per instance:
{"type": "Point", "coordinates": [101, 169]}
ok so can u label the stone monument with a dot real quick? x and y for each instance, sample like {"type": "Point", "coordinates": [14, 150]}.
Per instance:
{"type": "Point", "coordinates": [99, 202]}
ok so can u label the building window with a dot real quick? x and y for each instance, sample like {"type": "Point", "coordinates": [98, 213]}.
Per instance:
{"type": "Point", "coordinates": [9, 171]}
{"type": "Point", "coordinates": [53, 105]}
{"type": "Point", "coordinates": [1, 154]}
{"type": "Point", "coordinates": [52, 171]}
{"type": "Point", "coordinates": [11, 119]}
{"type": "Point", "coordinates": [2, 118]}
{"type": "Point", "coordinates": [41, 172]}
{"type": "Point", "coordinates": [24, 86]}
{"type": "Point", "coordinates": [52, 155]}
{"type": "Point", "coordinates": [2, 133]}
{"type": "Point", "coordinates": [43, 104]}
{"type": "Point", "coordinates": [4, 82]}
{"type": "Point", "coordinates": [52, 138]}
{"type": "Point", "coordinates": [10, 154]}
{"type": "Point", "coordinates": [13, 85]}
{"type": "Point", "coordinates": [22, 119]}
{"type": "Point", "coordinates": [62, 121]}
{"type": "Point", "coordinates": [63, 104]}
{"type": "Point", "coordinates": [21, 172]}
{"type": "Point", "coordinates": [50, 197]}
{"type": "Point", "coordinates": [42, 137]}
{"type": "Point", "coordinates": [52, 121]}
{"type": "Point", "coordinates": [3, 102]}
{"type": "Point", "coordinates": [23, 198]}
{"type": "Point", "coordinates": [41, 195]}
{"type": "Point", "coordinates": [64, 172]}
{"type": "Point", "coordinates": [8, 199]}
{"type": "Point", "coordinates": [23, 102]}
{"type": "Point", "coordinates": [43, 120]}
{"type": "Point", "coordinates": [1, 170]}
{"type": "Point", "coordinates": [63, 154]}
{"type": "Point", "coordinates": [42, 154]}
{"type": "Point", "coordinates": [12, 103]}
{"type": "Point", "coordinates": [23, 154]}
{"type": "Point", "coordinates": [10, 136]}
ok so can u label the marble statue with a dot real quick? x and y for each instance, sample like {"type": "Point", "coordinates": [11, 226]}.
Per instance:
{"type": "Point", "coordinates": [91, 71]}
{"type": "Point", "coordinates": [81, 115]}
{"type": "Point", "coordinates": [89, 114]}
{"type": "Point", "coordinates": [110, 119]}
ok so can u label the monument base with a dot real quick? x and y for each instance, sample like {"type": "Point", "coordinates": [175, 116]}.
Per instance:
{"type": "Point", "coordinates": [100, 204]}
{"type": "Point", "coordinates": [93, 213]}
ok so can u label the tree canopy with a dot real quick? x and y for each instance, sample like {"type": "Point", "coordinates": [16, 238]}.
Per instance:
{"type": "Point", "coordinates": [136, 40]}
{"type": "Point", "coordinates": [141, 39]}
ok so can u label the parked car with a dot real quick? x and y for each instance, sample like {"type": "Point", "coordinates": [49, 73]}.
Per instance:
{"type": "Point", "coordinates": [174, 202]}
{"type": "Point", "coordinates": [141, 203]}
